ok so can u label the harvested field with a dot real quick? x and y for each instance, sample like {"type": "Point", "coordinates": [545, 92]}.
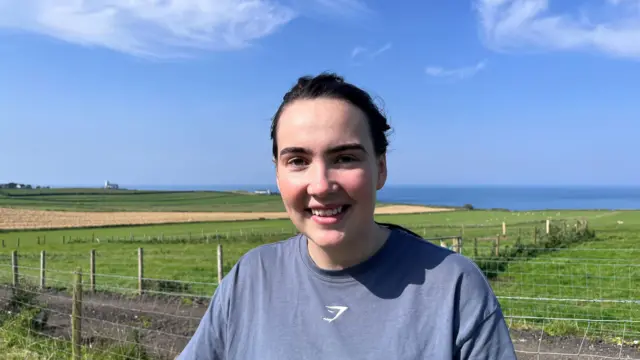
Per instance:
{"type": "Point", "coordinates": [12, 219]}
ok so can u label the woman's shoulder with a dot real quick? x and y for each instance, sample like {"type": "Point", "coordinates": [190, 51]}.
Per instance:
{"type": "Point", "coordinates": [444, 267]}
{"type": "Point", "coordinates": [262, 258]}
{"type": "Point", "coordinates": [271, 252]}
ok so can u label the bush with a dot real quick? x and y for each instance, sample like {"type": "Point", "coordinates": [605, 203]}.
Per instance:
{"type": "Point", "coordinates": [559, 237]}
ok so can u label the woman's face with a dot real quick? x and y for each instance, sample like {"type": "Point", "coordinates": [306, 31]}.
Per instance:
{"type": "Point", "coordinates": [327, 170]}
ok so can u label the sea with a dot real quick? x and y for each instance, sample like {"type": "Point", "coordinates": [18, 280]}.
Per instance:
{"type": "Point", "coordinates": [515, 198]}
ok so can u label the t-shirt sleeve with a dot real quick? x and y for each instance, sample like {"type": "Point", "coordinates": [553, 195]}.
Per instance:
{"type": "Point", "coordinates": [490, 340]}
{"type": "Point", "coordinates": [482, 330]}
{"type": "Point", "coordinates": [208, 341]}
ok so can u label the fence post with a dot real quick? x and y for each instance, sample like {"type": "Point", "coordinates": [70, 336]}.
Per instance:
{"type": "Point", "coordinates": [42, 269]}
{"type": "Point", "coordinates": [220, 274]}
{"type": "Point", "coordinates": [92, 270]}
{"type": "Point", "coordinates": [497, 245]}
{"type": "Point", "coordinates": [548, 221]}
{"type": "Point", "coordinates": [140, 271]}
{"type": "Point", "coordinates": [504, 228]}
{"type": "Point", "coordinates": [475, 247]}
{"type": "Point", "coordinates": [456, 245]}
{"type": "Point", "coordinates": [76, 315]}
{"type": "Point", "coordinates": [14, 267]}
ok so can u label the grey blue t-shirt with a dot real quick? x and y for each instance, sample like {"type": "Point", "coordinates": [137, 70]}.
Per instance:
{"type": "Point", "coordinates": [411, 300]}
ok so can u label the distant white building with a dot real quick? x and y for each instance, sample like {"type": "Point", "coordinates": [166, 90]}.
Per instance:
{"type": "Point", "coordinates": [108, 185]}
{"type": "Point", "coordinates": [262, 192]}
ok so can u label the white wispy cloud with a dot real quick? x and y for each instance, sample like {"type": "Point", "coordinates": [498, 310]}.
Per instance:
{"type": "Point", "coordinates": [457, 73]}
{"type": "Point", "coordinates": [158, 28]}
{"type": "Point", "coordinates": [360, 52]}
{"type": "Point", "coordinates": [611, 27]}
{"type": "Point", "coordinates": [342, 7]}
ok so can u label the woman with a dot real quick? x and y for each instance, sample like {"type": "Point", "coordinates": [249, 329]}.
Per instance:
{"type": "Point", "coordinates": [346, 287]}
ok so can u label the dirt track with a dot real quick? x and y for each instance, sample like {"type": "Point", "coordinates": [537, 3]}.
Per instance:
{"type": "Point", "coordinates": [34, 219]}
{"type": "Point", "coordinates": [166, 323]}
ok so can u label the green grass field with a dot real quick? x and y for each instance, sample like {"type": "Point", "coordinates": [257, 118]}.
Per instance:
{"type": "Point", "coordinates": [598, 280]}
{"type": "Point", "coordinates": [132, 200]}
{"type": "Point", "coordinates": [187, 252]}
{"type": "Point", "coordinates": [88, 199]}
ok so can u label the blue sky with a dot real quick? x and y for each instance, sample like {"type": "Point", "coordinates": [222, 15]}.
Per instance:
{"type": "Point", "coordinates": [182, 91]}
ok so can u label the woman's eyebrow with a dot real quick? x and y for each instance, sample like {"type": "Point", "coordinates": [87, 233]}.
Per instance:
{"type": "Point", "coordinates": [335, 149]}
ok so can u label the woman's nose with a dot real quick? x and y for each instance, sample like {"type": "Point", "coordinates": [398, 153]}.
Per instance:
{"type": "Point", "coordinates": [320, 183]}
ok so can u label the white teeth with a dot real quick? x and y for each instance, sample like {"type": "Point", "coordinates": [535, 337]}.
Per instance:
{"type": "Point", "coordinates": [326, 212]}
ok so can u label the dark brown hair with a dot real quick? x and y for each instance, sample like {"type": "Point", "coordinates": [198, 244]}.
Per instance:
{"type": "Point", "coordinates": [330, 85]}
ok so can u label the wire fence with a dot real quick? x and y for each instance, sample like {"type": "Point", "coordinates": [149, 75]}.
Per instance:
{"type": "Point", "coordinates": [267, 232]}
{"type": "Point", "coordinates": [562, 299]}
{"type": "Point", "coordinates": [99, 324]}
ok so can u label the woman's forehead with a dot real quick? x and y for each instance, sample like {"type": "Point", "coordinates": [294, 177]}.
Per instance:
{"type": "Point", "coordinates": [325, 120]}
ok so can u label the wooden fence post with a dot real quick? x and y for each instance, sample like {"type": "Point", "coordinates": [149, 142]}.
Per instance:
{"type": "Point", "coordinates": [220, 273]}
{"type": "Point", "coordinates": [42, 269]}
{"type": "Point", "coordinates": [497, 245]}
{"type": "Point", "coordinates": [548, 221]}
{"type": "Point", "coordinates": [140, 271]}
{"type": "Point", "coordinates": [456, 245]}
{"type": "Point", "coordinates": [14, 267]}
{"type": "Point", "coordinates": [504, 228]}
{"type": "Point", "coordinates": [76, 316]}
{"type": "Point", "coordinates": [92, 270]}
{"type": "Point", "coordinates": [475, 247]}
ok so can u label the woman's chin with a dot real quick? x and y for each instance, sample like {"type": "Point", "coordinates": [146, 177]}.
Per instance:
{"type": "Point", "coordinates": [326, 238]}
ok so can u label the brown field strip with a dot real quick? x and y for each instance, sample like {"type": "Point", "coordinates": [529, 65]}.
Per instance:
{"type": "Point", "coordinates": [41, 219]}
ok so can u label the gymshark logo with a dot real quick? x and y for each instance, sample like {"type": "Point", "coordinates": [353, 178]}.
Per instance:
{"type": "Point", "coordinates": [337, 310]}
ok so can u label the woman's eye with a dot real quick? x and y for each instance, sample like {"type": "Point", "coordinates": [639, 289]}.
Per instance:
{"type": "Point", "coordinates": [346, 159]}
{"type": "Point", "coordinates": [296, 162]}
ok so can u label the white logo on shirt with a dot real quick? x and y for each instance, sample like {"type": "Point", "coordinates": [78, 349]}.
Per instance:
{"type": "Point", "coordinates": [337, 310]}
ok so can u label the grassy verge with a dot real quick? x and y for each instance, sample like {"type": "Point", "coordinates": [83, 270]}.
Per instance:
{"type": "Point", "coordinates": [21, 339]}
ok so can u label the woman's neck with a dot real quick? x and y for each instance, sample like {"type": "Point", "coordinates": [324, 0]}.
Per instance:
{"type": "Point", "coordinates": [351, 252]}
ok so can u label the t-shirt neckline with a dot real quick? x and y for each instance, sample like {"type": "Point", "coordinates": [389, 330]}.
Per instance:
{"type": "Point", "coordinates": [348, 274]}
